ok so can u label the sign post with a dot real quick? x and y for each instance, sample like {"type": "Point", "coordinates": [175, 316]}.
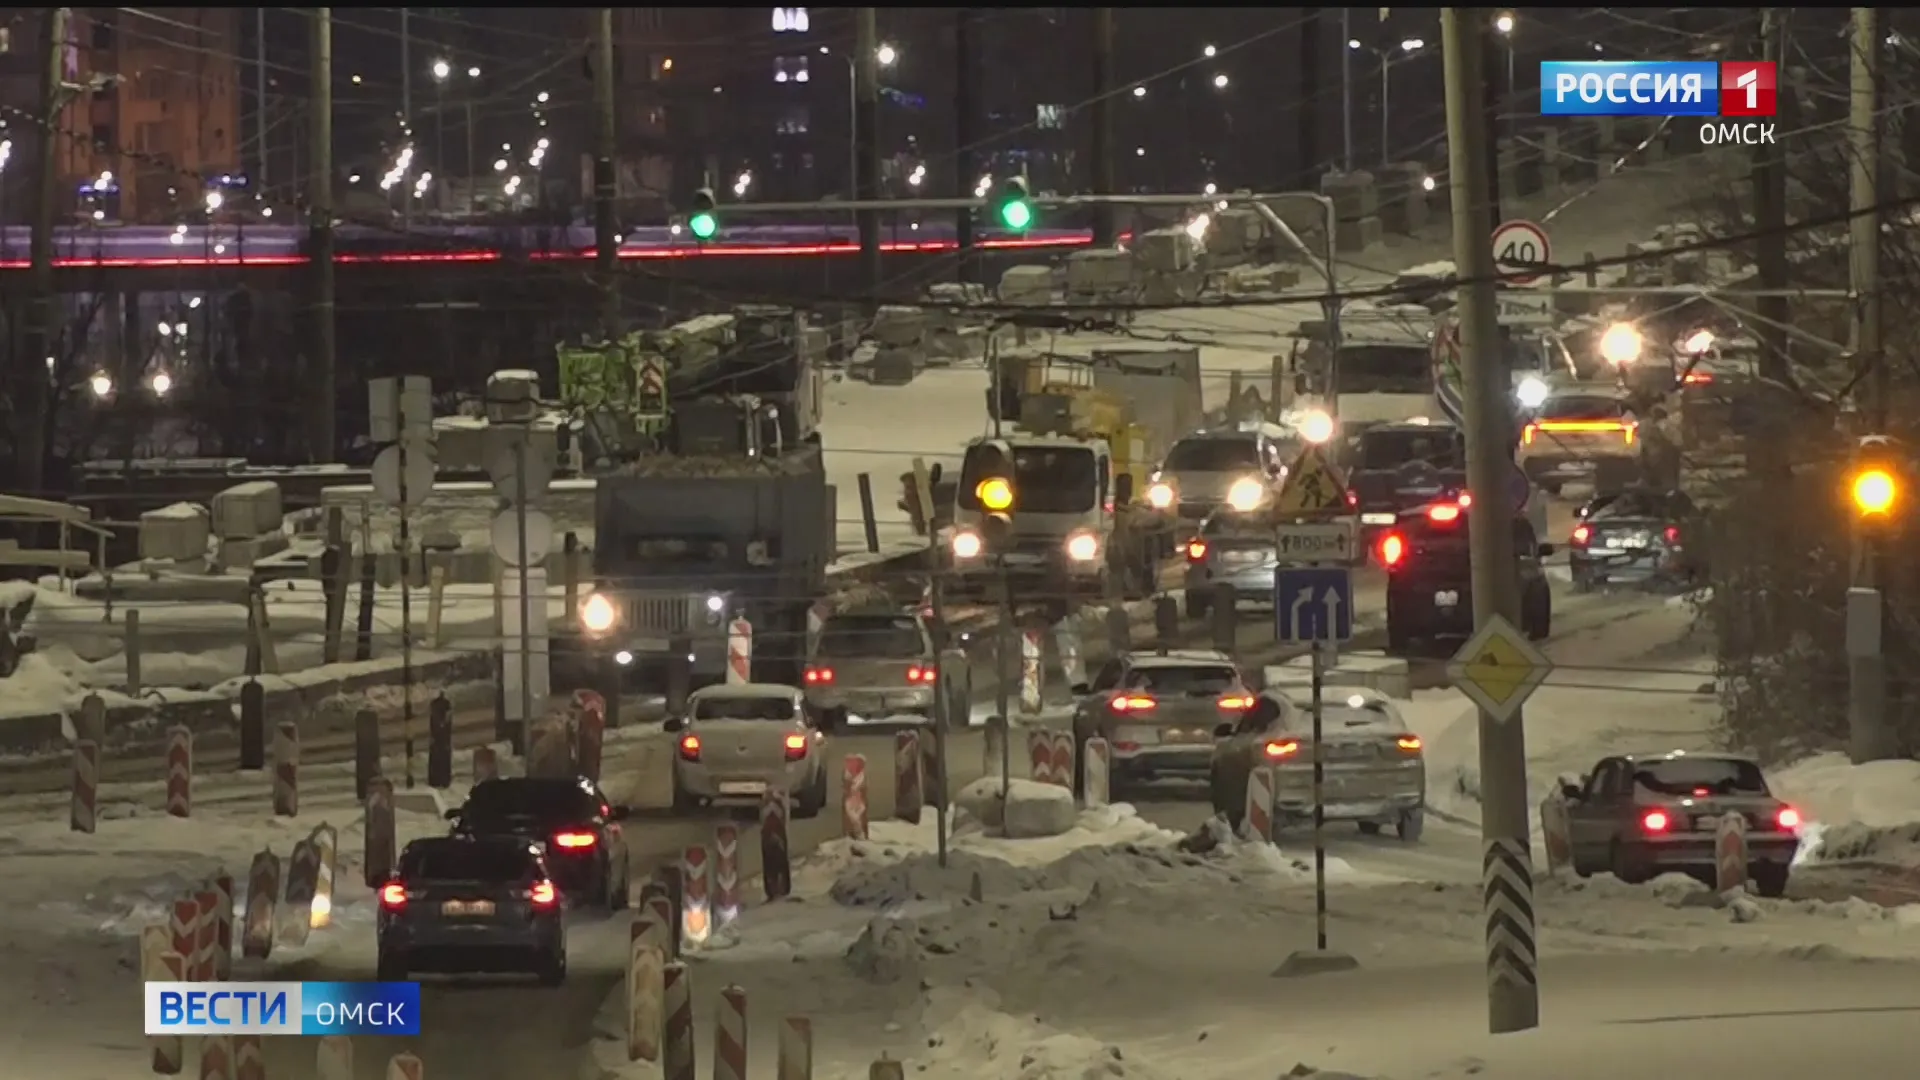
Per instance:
{"type": "Point", "coordinates": [1521, 252]}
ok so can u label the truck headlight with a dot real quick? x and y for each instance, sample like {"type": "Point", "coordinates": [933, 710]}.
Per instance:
{"type": "Point", "coordinates": [1246, 494]}
{"type": "Point", "coordinates": [1160, 496]}
{"type": "Point", "coordinates": [1083, 547]}
{"type": "Point", "coordinates": [1531, 393]}
{"type": "Point", "coordinates": [966, 544]}
{"type": "Point", "coordinates": [716, 604]}
{"type": "Point", "coordinates": [597, 614]}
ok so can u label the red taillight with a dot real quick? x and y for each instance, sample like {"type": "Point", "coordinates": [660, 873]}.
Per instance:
{"type": "Point", "coordinates": [1196, 550]}
{"type": "Point", "coordinates": [817, 675]}
{"type": "Point", "coordinates": [1526, 433]}
{"type": "Point", "coordinates": [1132, 703]}
{"type": "Point", "coordinates": [690, 747]}
{"type": "Point", "coordinates": [1581, 534]}
{"type": "Point", "coordinates": [1673, 534]}
{"type": "Point", "coordinates": [1283, 749]}
{"type": "Point", "coordinates": [1655, 821]}
{"type": "Point", "coordinates": [796, 747]}
{"type": "Point", "coordinates": [1353, 497]}
{"type": "Point", "coordinates": [543, 894]}
{"type": "Point", "coordinates": [393, 896]}
{"type": "Point", "coordinates": [1443, 514]}
{"type": "Point", "coordinates": [1466, 499]}
{"type": "Point", "coordinates": [1408, 743]}
{"type": "Point", "coordinates": [1696, 378]}
{"type": "Point", "coordinates": [1236, 703]}
{"type": "Point", "coordinates": [1788, 818]}
{"type": "Point", "coordinates": [574, 841]}
{"type": "Point", "coordinates": [1393, 548]}
{"type": "Point", "coordinates": [918, 674]}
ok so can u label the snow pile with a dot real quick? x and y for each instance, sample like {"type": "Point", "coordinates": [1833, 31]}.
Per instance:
{"type": "Point", "coordinates": [1855, 812]}
{"type": "Point", "coordinates": [969, 1037]}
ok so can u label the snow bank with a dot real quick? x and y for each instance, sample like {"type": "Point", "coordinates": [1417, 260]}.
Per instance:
{"type": "Point", "coordinates": [1869, 811]}
{"type": "Point", "coordinates": [968, 1037]}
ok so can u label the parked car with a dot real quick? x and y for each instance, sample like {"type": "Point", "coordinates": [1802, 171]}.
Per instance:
{"type": "Point", "coordinates": [1374, 771]}
{"type": "Point", "coordinates": [471, 905]}
{"type": "Point", "coordinates": [738, 742]}
{"type": "Point", "coordinates": [572, 821]}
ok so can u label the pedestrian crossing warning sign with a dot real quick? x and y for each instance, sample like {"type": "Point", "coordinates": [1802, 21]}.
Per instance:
{"type": "Point", "coordinates": [1312, 486]}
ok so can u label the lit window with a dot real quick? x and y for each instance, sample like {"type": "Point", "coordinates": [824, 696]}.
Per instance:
{"type": "Point", "coordinates": [791, 20]}
{"type": "Point", "coordinates": [790, 69]}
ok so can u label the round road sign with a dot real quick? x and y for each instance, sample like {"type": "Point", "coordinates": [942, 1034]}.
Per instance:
{"type": "Point", "coordinates": [1520, 246]}
{"type": "Point", "coordinates": [505, 533]}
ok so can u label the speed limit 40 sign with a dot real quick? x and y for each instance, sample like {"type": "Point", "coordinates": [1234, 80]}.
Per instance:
{"type": "Point", "coordinates": [1520, 247]}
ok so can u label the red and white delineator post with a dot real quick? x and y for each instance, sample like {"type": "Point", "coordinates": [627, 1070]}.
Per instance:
{"type": "Point", "coordinates": [739, 651]}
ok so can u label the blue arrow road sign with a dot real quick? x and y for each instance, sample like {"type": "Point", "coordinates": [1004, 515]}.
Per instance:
{"type": "Point", "coordinates": [1313, 604]}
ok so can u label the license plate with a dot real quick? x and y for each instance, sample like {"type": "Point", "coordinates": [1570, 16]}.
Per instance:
{"type": "Point", "coordinates": [1448, 598]}
{"type": "Point", "coordinates": [1139, 736]}
{"type": "Point", "coordinates": [743, 787]}
{"type": "Point", "coordinates": [1187, 736]}
{"type": "Point", "coordinates": [1244, 556]}
{"type": "Point", "coordinates": [1376, 519]}
{"type": "Point", "coordinates": [1630, 541]}
{"type": "Point", "coordinates": [650, 645]}
{"type": "Point", "coordinates": [461, 908]}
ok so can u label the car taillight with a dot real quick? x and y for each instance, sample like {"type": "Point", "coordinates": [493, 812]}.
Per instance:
{"type": "Point", "coordinates": [543, 894]}
{"type": "Point", "coordinates": [1631, 431]}
{"type": "Point", "coordinates": [1581, 534]}
{"type": "Point", "coordinates": [918, 674]}
{"type": "Point", "coordinates": [1696, 378]}
{"type": "Point", "coordinates": [1353, 497]}
{"type": "Point", "coordinates": [1393, 548]}
{"type": "Point", "coordinates": [1673, 534]}
{"type": "Point", "coordinates": [1408, 742]}
{"type": "Point", "coordinates": [1788, 818]}
{"type": "Point", "coordinates": [1526, 434]}
{"type": "Point", "coordinates": [690, 747]}
{"type": "Point", "coordinates": [393, 896]}
{"type": "Point", "coordinates": [1236, 702]}
{"type": "Point", "coordinates": [1655, 821]}
{"type": "Point", "coordinates": [1283, 749]}
{"type": "Point", "coordinates": [1466, 499]}
{"type": "Point", "coordinates": [1196, 550]}
{"type": "Point", "coordinates": [1132, 703]}
{"type": "Point", "coordinates": [574, 841]}
{"type": "Point", "coordinates": [796, 747]}
{"type": "Point", "coordinates": [817, 675]}
{"type": "Point", "coordinates": [1443, 514]}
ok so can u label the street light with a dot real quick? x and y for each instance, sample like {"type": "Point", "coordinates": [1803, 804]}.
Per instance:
{"type": "Point", "coordinates": [1408, 48]}
{"type": "Point", "coordinates": [1504, 23]}
{"type": "Point", "coordinates": [442, 69]}
{"type": "Point", "coordinates": [1220, 82]}
{"type": "Point", "coordinates": [886, 56]}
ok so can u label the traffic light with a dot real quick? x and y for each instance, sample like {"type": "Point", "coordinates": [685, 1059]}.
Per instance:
{"type": "Point", "coordinates": [1874, 491]}
{"type": "Point", "coordinates": [1876, 486]}
{"type": "Point", "coordinates": [704, 220]}
{"type": "Point", "coordinates": [1013, 204]}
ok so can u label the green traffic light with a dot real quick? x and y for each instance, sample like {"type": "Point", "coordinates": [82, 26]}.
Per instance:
{"type": "Point", "coordinates": [1016, 214]}
{"type": "Point", "coordinates": [703, 226]}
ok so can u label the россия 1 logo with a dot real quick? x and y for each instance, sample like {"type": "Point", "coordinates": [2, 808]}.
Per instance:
{"type": "Point", "coordinates": [1742, 91]}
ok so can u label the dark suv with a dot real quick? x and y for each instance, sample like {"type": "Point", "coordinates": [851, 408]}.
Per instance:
{"type": "Point", "coordinates": [1430, 577]}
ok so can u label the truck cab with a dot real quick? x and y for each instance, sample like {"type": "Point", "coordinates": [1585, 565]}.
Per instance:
{"type": "Point", "coordinates": [1381, 372]}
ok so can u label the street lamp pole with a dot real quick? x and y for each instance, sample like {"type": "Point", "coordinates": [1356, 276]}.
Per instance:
{"type": "Point", "coordinates": [886, 56]}
{"type": "Point", "coordinates": [1346, 91]}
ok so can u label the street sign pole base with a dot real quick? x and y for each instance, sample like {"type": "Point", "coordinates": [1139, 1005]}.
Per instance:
{"type": "Point", "coordinates": [1304, 962]}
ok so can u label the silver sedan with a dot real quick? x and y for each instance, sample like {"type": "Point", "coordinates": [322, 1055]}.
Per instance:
{"type": "Point", "coordinates": [738, 742]}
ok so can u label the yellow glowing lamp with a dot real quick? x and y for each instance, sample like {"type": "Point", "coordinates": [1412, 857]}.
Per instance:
{"type": "Point", "coordinates": [1874, 491]}
{"type": "Point", "coordinates": [995, 493]}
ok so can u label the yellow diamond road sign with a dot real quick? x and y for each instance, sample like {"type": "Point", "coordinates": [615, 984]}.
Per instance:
{"type": "Point", "coordinates": [1499, 668]}
{"type": "Point", "coordinates": [1312, 486]}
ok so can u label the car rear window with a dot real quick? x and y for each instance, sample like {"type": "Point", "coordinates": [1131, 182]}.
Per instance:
{"type": "Point", "coordinates": [1338, 719]}
{"type": "Point", "coordinates": [1213, 455]}
{"type": "Point", "coordinates": [1690, 777]}
{"type": "Point", "coordinates": [1439, 447]}
{"type": "Point", "coordinates": [1583, 408]}
{"type": "Point", "coordinates": [462, 860]}
{"type": "Point", "coordinates": [871, 637]}
{"type": "Point", "coordinates": [743, 707]}
{"type": "Point", "coordinates": [522, 799]}
{"type": "Point", "coordinates": [1183, 680]}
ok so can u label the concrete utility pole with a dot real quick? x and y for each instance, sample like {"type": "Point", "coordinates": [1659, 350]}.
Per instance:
{"type": "Point", "coordinates": [1101, 145]}
{"type": "Point", "coordinates": [1491, 102]}
{"type": "Point", "coordinates": [1867, 666]}
{"type": "Point", "coordinates": [30, 371]}
{"type": "Point", "coordinates": [1513, 994]}
{"type": "Point", "coordinates": [1766, 457]}
{"type": "Point", "coordinates": [406, 118]}
{"type": "Point", "coordinates": [260, 96]}
{"type": "Point", "coordinates": [964, 115]}
{"type": "Point", "coordinates": [606, 237]}
{"type": "Point", "coordinates": [326, 375]}
{"type": "Point", "coordinates": [1307, 168]}
{"type": "Point", "coordinates": [866, 143]}
{"type": "Point", "coordinates": [1346, 92]}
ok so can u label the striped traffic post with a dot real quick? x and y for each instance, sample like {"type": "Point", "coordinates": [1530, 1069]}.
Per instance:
{"type": "Point", "coordinates": [161, 962]}
{"type": "Point", "coordinates": [222, 884]}
{"type": "Point", "coordinates": [326, 845]}
{"type": "Point", "coordinates": [206, 931]}
{"type": "Point", "coordinates": [378, 840]}
{"type": "Point", "coordinates": [853, 797]}
{"type": "Point", "coordinates": [286, 770]}
{"type": "Point", "coordinates": [179, 772]}
{"type": "Point", "coordinates": [909, 792]}
{"type": "Point", "coordinates": [1096, 773]}
{"type": "Point", "coordinates": [696, 905]}
{"type": "Point", "coordinates": [795, 1051]}
{"type": "Point", "coordinates": [739, 652]}
{"type": "Point", "coordinates": [296, 913]}
{"type": "Point", "coordinates": [730, 1036]}
{"type": "Point", "coordinates": [676, 1035]}
{"type": "Point", "coordinates": [249, 1058]}
{"type": "Point", "coordinates": [726, 873]}
{"type": "Point", "coordinates": [334, 1058]}
{"type": "Point", "coordinates": [1259, 808]}
{"type": "Point", "coordinates": [263, 894]}
{"type": "Point", "coordinates": [84, 814]}
{"type": "Point", "coordinates": [1730, 853]}
{"type": "Point", "coordinates": [216, 1057]}
{"type": "Point", "coordinates": [183, 922]}
{"type": "Point", "coordinates": [776, 857]}
{"type": "Point", "coordinates": [405, 1067]}
{"type": "Point", "coordinates": [646, 976]}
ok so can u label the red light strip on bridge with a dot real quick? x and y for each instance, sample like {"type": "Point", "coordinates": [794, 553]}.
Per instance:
{"type": "Point", "coordinates": [907, 247]}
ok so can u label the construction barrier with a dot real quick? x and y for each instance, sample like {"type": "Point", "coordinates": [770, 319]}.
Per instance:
{"type": "Point", "coordinates": [206, 932]}
{"type": "Point", "coordinates": [216, 1057]}
{"type": "Point", "coordinates": [183, 923]}
{"type": "Point", "coordinates": [84, 815]}
{"type": "Point", "coordinates": [179, 772]}
{"type": "Point", "coordinates": [657, 917]}
{"type": "Point", "coordinates": [909, 791]}
{"type": "Point", "coordinates": [161, 962]}
{"type": "Point", "coordinates": [776, 857]}
{"type": "Point", "coordinates": [730, 1036]}
{"type": "Point", "coordinates": [486, 765]}
{"type": "Point", "coordinates": [326, 845]}
{"type": "Point", "coordinates": [1730, 852]}
{"type": "Point", "coordinates": [794, 1055]}
{"type": "Point", "coordinates": [853, 797]}
{"type": "Point", "coordinates": [263, 893]}
{"type": "Point", "coordinates": [1556, 836]}
{"type": "Point", "coordinates": [726, 873]}
{"type": "Point", "coordinates": [1096, 773]}
{"type": "Point", "coordinates": [739, 652]}
{"type": "Point", "coordinates": [405, 1067]}
{"type": "Point", "coordinates": [646, 987]}
{"type": "Point", "coordinates": [286, 770]}
{"type": "Point", "coordinates": [296, 913]}
{"type": "Point", "coordinates": [1050, 757]}
{"type": "Point", "coordinates": [676, 1034]}
{"type": "Point", "coordinates": [1032, 673]}
{"type": "Point", "coordinates": [378, 842]}
{"type": "Point", "coordinates": [335, 1058]}
{"type": "Point", "coordinates": [1258, 821]}
{"type": "Point", "coordinates": [696, 905]}
{"type": "Point", "coordinates": [223, 927]}
{"type": "Point", "coordinates": [249, 1058]}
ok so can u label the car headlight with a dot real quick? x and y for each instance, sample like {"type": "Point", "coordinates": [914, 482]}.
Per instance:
{"type": "Point", "coordinates": [1531, 393]}
{"type": "Point", "coordinates": [1315, 427]}
{"type": "Point", "coordinates": [1621, 344]}
{"type": "Point", "coordinates": [1160, 496]}
{"type": "Point", "coordinates": [1083, 547]}
{"type": "Point", "coordinates": [966, 545]}
{"type": "Point", "coordinates": [597, 614]}
{"type": "Point", "coordinates": [716, 604]}
{"type": "Point", "coordinates": [1246, 494]}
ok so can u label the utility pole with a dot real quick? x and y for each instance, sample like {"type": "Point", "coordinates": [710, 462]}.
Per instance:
{"type": "Point", "coordinates": [30, 371]}
{"type": "Point", "coordinates": [1490, 103]}
{"type": "Point", "coordinates": [1867, 666]}
{"type": "Point", "coordinates": [606, 237]}
{"type": "Point", "coordinates": [1102, 116]}
{"type": "Point", "coordinates": [1513, 994]}
{"type": "Point", "coordinates": [1346, 92]}
{"type": "Point", "coordinates": [1766, 458]}
{"type": "Point", "coordinates": [260, 95]}
{"type": "Point", "coordinates": [964, 112]}
{"type": "Point", "coordinates": [1310, 88]}
{"type": "Point", "coordinates": [326, 376]}
{"type": "Point", "coordinates": [406, 118]}
{"type": "Point", "coordinates": [866, 144]}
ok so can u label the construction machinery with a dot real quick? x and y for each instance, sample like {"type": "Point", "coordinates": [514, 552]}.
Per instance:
{"type": "Point", "coordinates": [1380, 373]}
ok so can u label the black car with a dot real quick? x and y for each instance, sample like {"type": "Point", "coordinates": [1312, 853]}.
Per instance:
{"type": "Point", "coordinates": [1430, 577]}
{"type": "Point", "coordinates": [1641, 537]}
{"type": "Point", "coordinates": [472, 904]}
{"type": "Point", "coordinates": [1392, 468]}
{"type": "Point", "coordinates": [569, 818]}
{"type": "Point", "coordinates": [1639, 816]}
